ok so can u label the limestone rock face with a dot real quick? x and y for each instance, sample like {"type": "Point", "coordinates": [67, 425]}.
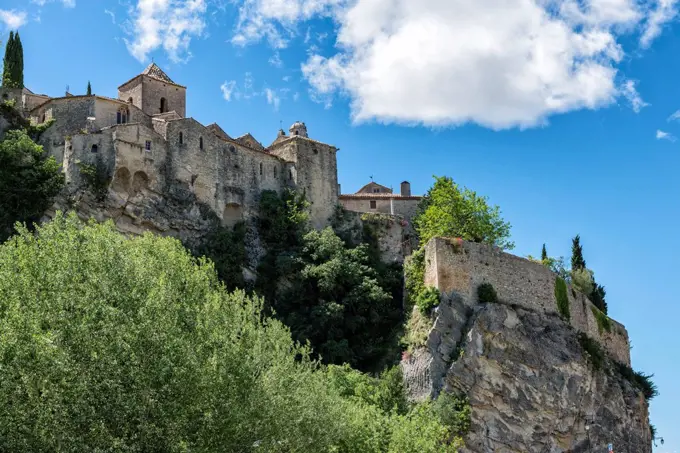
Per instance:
{"type": "Point", "coordinates": [530, 385]}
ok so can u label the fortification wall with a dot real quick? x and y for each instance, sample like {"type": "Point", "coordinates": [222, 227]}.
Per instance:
{"type": "Point", "coordinates": [517, 281]}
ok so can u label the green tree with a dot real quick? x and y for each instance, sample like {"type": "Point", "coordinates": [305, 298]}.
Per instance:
{"type": "Point", "coordinates": [28, 180]}
{"type": "Point", "coordinates": [18, 74]}
{"type": "Point", "coordinates": [89, 88]}
{"type": "Point", "coordinates": [577, 261]}
{"type": "Point", "coordinates": [544, 254]}
{"type": "Point", "coordinates": [13, 63]}
{"type": "Point", "coordinates": [110, 343]}
{"type": "Point", "coordinates": [449, 211]}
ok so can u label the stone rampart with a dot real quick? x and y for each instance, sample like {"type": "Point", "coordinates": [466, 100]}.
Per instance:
{"type": "Point", "coordinates": [460, 269]}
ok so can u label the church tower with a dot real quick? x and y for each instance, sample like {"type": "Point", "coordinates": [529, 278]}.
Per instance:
{"type": "Point", "coordinates": [154, 93]}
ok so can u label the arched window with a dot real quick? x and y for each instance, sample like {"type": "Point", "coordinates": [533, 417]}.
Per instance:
{"type": "Point", "coordinates": [200, 142]}
{"type": "Point", "coordinates": [164, 105]}
{"type": "Point", "coordinates": [181, 138]}
{"type": "Point", "coordinates": [123, 115]}
{"type": "Point", "coordinates": [130, 101]}
{"type": "Point", "coordinates": [95, 148]}
{"type": "Point", "coordinates": [296, 132]}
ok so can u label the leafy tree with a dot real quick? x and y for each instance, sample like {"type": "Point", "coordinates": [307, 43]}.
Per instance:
{"type": "Point", "coordinates": [226, 248]}
{"type": "Point", "coordinates": [597, 297]}
{"type": "Point", "coordinates": [544, 254]}
{"type": "Point", "coordinates": [28, 179]}
{"type": "Point", "coordinates": [449, 211]}
{"type": "Point", "coordinates": [89, 88]}
{"type": "Point", "coordinates": [583, 280]}
{"type": "Point", "coordinates": [333, 299]}
{"type": "Point", "coordinates": [577, 261]}
{"type": "Point", "coordinates": [110, 343]}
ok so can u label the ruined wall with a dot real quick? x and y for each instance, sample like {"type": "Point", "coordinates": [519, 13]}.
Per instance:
{"type": "Point", "coordinates": [315, 173]}
{"type": "Point", "coordinates": [518, 282]}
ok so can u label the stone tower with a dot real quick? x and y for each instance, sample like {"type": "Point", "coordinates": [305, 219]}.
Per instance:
{"type": "Point", "coordinates": [154, 93]}
{"type": "Point", "coordinates": [298, 129]}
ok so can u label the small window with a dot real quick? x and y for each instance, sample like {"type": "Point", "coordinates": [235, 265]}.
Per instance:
{"type": "Point", "coordinates": [316, 151]}
{"type": "Point", "coordinates": [164, 105]}
{"type": "Point", "coordinates": [296, 132]}
{"type": "Point", "coordinates": [260, 168]}
{"type": "Point", "coordinates": [200, 142]}
{"type": "Point", "coordinates": [376, 190]}
{"type": "Point", "coordinates": [95, 148]}
{"type": "Point", "coordinates": [42, 118]}
{"type": "Point", "coordinates": [181, 138]}
{"type": "Point", "coordinates": [232, 148]}
{"type": "Point", "coordinates": [130, 101]}
{"type": "Point", "coordinates": [290, 175]}
{"type": "Point", "coordinates": [275, 172]}
{"type": "Point", "coordinates": [148, 145]}
{"type": "Point", "coordinates": [119, 117]}
{"type": "Point", "coordinates": [373, 204]}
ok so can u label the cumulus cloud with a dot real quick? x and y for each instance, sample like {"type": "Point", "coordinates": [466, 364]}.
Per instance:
{"type": "Point", "coordinates": [663, 12]}
{"type": "Point", "coordinates": [166, 24]}
{"type": "Point", "coordinates": [497, 63]}
{"type": "Point", "coordinates": [661, 135]}
{"type": "Point", "coordinates": [13, 19]}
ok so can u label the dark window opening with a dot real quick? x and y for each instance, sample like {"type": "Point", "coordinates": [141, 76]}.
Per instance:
{"type": "Point", "coordinates": [373, 204]}
{"type": "Point", "coordinates": [316, 151]}
{"type": "Point", "coordinates": [181, 138]}
{"type": "Point", "coordinates": [95, 148]}
{"type": "Point", "coordinates": [290, 175]}
{"type": "Point", "coordinates": [118, 117]}
{"type": "Point", "coordinates": [130, 100]}
{"type": "Point", "coordinates": [260, 168]}
{"type": "Point", "coordinates": [148, 145]}
{"type": "Point", "coordinates": [232, 148]}
{"type": "Point", "coordinates": [376, 190]}
{"type": "Point", "coordinates": [200, 142]}
{"type": "Point", "coordinates": [42, 118]}
{"type": "Point", "coordinates": [164, 105]}
{"type": "Point", "coordinates": [275, 172]}
{"type": "Point", "coordinates": [296, 132]}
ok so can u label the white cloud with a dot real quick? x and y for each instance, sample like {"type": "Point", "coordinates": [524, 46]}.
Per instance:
{"type": "Point", "coordinates": [664, 12]}
{"type": "Point", "coordinates": [675, 116]}
{"type": "Point", "coordinates": [66, 3]}
{"type": "Point", "coordinates": [272, 98]}
{"type": "Point", "coordinates": [13, 19]}
{"type": "Point", "coordinates": [228, 89]}
{"type": "Point", "coordinates": [112, 14]}
{"type": "Point", "coordinates": [661, 135]}
{"type": "Point", "coordinates": [167, 24]}
{"type": "Point", "coordinates": [497, 63]}
{"type": "Point", "coordinates": [629, 92]}
{"type": "Point", "coordinates": [286, 78]}
{"type": "Point", "coordinates": [275, 60]}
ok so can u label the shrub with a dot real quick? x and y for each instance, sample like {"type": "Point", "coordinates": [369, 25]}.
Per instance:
{"type": "Point", "coordinates": [414, 276]}
{"type": "Point", "coordinates": [427, 299]}
{"type": "Point", "coordinates": [227, 249]}
{"type": "Point", "coordinates": [640, 380]}
{"type": "Point", "coordinates": [97, 177]}
{"type": "Point", "coordinates": [593, 351]}
{"type": "Point", "coordinates": [454, 411]}
{"type": "Point", "coordinates": [603, 321]}
{"type": "Point", "coordinates": [486, 293]}
{"type": "Point", "coordinates": [562, 298]}
{"type": "Point", "coordinates": [418, 327]}
{"type": "Point", "coordinates": [582, 280]}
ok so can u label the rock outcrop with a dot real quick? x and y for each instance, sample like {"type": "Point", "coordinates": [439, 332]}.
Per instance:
{"type": "Point", "coordinates": [531, 385]}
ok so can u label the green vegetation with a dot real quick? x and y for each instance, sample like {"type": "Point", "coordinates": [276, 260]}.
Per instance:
{"type": "Point", "coordinates": [641, 381]}
{"type": "Point", "coordinates": [584, 278]}
{"type": "Point", "coordinates": [562, 298]}
{"type": "Point", "coordinates": [97, 177]}
{"type": "Point", "coordinates": [89, 88]}
{"type": "Point", "coordinates": [448, 211]}
{"type": "Point", "coordinates": [603, 321]}
{"type": "Point", "coordinates": [339, 298]}
{"type": "Point", "coordinates": [414, 276]}
{"type": "Point", "coordinates": [593, 351]}
{"type": "Point", "coordinates": [427, 299]}
{"type": "Point", "coordinates": [28, 180]}
{"type": "Point", "coordinates": [544, 253]}
{"type": "Point", "coordinates": [577, 261]}
{"type": "Point", "coordinates": [13, 63]}
{"type": "Point", "coordinates": [226, 248]}
{"type": "Point", "coordinates": [454, 411]}
{"type": "Point", "coordinates": [486, 293]}
{"type": "Point", "coordinates": [116, 344]}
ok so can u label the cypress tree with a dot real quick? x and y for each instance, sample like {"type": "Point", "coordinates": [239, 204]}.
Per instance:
{"type": "Point", "coordinates": [18, 75]}
{"type": "Point", "coordinates": [544, 254]}
{"type": "Point", "coordinates": [8, 62]}
{"type": "Point", "coordinates": [89, 88]}
{"type": "Point", "coordinates": [577, 261]}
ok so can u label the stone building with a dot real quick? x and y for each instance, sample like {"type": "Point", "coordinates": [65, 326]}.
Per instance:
{"type": "Point", "coordinates": [376, 198]}
{"type": "Point", "coordinates": [146, 145]}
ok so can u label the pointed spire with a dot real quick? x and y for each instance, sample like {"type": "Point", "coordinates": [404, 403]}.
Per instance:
{"type": "Point", "coordinates": [153, 70]}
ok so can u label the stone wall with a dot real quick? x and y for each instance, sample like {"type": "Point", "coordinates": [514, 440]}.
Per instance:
{"type": "Point", "coordinates": [154, 90]}
{"type": "Point", "coordinates": [518, 282]}
{"type": "Point", "coordinates": [403, 207]}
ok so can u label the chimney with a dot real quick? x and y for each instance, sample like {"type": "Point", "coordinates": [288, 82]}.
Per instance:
{"type": "Point", "coordinates": [405, 189]}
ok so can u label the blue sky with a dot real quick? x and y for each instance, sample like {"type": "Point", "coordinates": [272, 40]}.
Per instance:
{"type": "Point", "coordinates": [560, 111]}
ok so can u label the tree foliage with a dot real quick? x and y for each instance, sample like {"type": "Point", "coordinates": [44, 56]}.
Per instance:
{"type": "Point", "coordinates": [89, 88]}
{"type": "Point", "coordinates": [130, 345]}
{"type": "Point", "coordinates": [13, 63]}
{"type": "Point", "coordinates": [227, 249]}
{"type": "Point", "coordinates": [577, 261]}
{"type": "Point", "coordinates": [449, 211]}
{"type": "Point", "coordinates": [28, 179]}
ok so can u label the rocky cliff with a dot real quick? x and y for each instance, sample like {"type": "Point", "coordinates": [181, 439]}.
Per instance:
{"type": "Point", "coordinates": [534, 381]}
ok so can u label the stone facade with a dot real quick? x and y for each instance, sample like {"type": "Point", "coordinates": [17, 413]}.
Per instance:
{"type": "Point", "coordinates": [147, 146]}
{"type": "Point", "coordinates": [376, 198]}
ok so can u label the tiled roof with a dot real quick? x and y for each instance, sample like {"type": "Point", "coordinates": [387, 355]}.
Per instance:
{"type": "Point", "coordinates": [375, 196]}
{"type": "Point", "coordinates": [157, 73]}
